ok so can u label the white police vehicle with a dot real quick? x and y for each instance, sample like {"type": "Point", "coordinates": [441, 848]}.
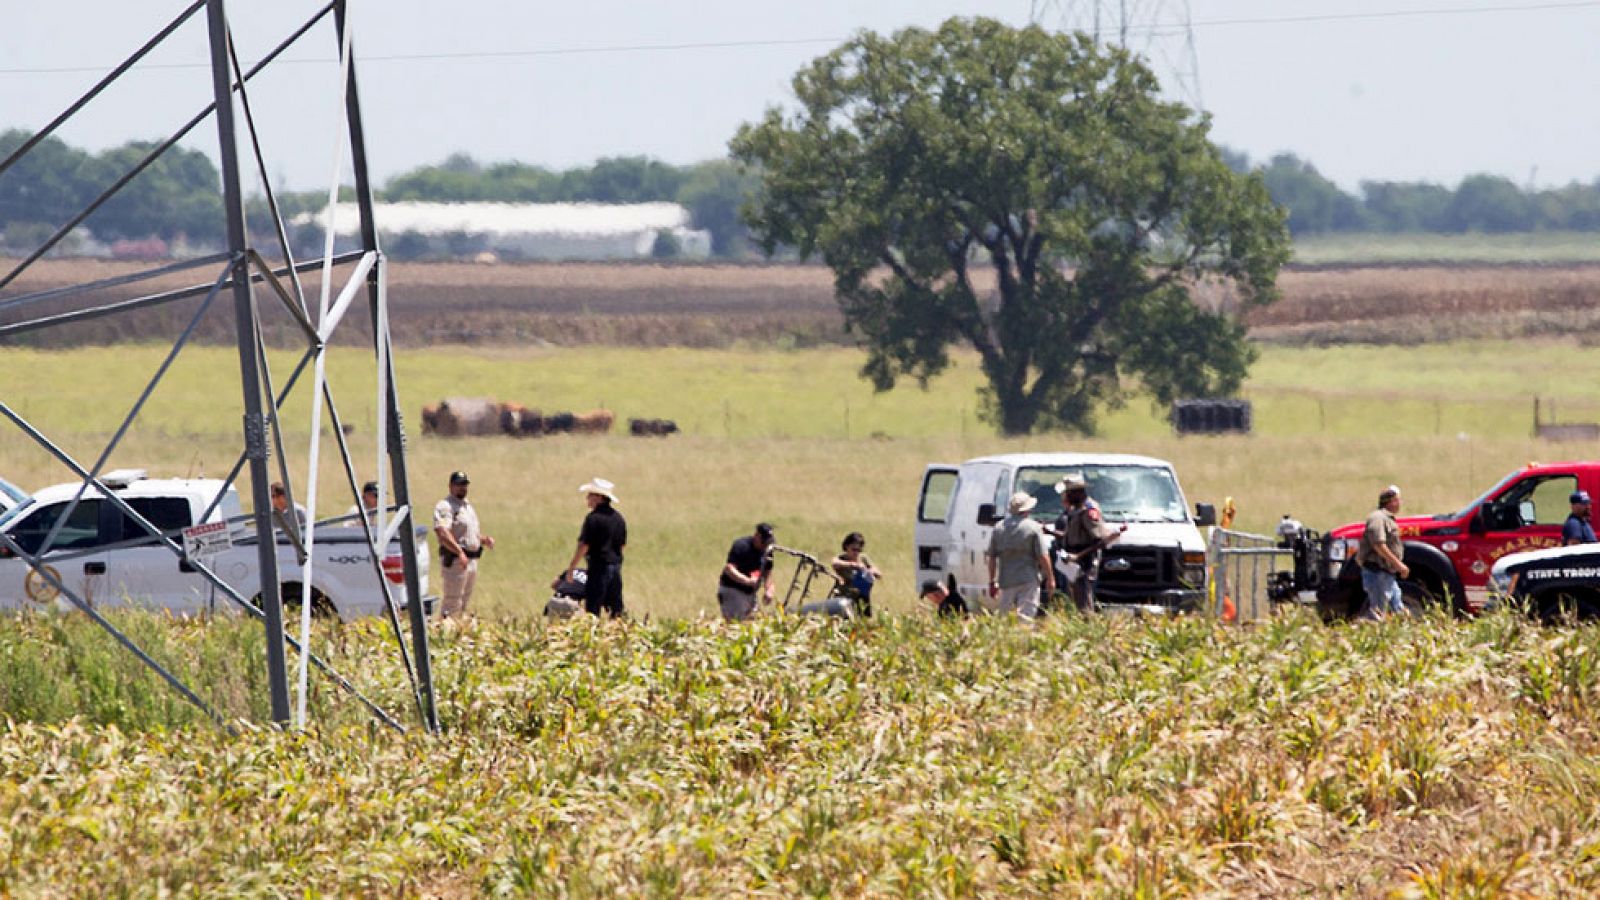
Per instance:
{"type": "Point", "coordinates": [101, 554]}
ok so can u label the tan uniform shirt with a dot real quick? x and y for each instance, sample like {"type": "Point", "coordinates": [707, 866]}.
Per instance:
{"type": "Point", "coordinates": [462, 521]}
{"type": "Point", "coordinates": [1085, 527]}
{"type": "Point", "coordinates": [1381, 530]}
{"type": "Point", "coordinates": [1017, 543]}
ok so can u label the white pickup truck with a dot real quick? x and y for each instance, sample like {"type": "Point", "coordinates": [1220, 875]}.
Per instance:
{"type": "Point", "coordinates": [105, 557]}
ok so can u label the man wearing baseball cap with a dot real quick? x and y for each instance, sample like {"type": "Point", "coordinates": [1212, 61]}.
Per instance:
{"type": "Point", "coordinates": [1578, 530]}
{"type": "Point", "coordinates": [461, 542]}
{"type": "Point", "coordinates": [748, 566]}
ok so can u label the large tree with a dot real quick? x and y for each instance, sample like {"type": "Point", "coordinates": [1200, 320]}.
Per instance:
{"type": "Point", "coordinates": [916, 161]}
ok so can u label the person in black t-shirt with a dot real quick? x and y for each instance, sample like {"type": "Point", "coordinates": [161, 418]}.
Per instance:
{"type": "Point", "coordinates": [749, 562]}
{"type": "Point", "coordinates": [600, 543]}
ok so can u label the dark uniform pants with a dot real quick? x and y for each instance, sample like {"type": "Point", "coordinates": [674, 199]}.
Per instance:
{"type": "Point", "coordinates": [603, 593]}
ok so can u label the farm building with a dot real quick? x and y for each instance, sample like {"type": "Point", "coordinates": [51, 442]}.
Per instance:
{"type": "Point", "coordinates": [547, 231]}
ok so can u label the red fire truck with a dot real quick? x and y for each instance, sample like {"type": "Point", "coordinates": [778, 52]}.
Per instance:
{"type": "Point", "coordinates": [1450, 555]}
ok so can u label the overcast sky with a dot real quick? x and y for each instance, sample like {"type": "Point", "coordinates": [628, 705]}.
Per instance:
{"type": "Point", "coordinates": [1365, 89]}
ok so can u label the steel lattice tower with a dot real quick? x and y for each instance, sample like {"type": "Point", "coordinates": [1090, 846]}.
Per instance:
{"type": "Point", "coordinates": [1158, 30]}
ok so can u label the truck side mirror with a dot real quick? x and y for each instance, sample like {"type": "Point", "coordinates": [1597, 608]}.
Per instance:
{"type": "Point", "coordinates": [986, 514]}
{"type": "Point", "coordinates": [1476, 524]}
{"type": "Point", "coordinates": [1205, 514]}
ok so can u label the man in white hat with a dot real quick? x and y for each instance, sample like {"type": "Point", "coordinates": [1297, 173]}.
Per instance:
{"type": "Point", "coordinates": [600, 542]}
{"type": "Point", "coordinates": [1019, 559]}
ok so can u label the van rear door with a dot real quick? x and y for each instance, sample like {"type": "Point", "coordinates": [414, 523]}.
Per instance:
{"type": "Point", "coordinates": [932, 539]}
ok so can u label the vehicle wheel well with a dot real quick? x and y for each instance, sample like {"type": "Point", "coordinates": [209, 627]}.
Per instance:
{"type": "Point", "coordinates": [321, 606]}
{"type": "Point", "coordinates": [1558, 604]}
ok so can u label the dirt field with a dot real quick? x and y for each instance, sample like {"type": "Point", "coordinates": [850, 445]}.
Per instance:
{"type": "Point", "coordinates": [637, 304]}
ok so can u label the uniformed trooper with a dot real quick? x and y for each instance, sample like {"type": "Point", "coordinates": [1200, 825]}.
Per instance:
{"type": "Point", "coordinates": [1081, 534]}
{"type": "Point", "coordinates": [461, 542]}
{"type": "Point", "coordinates": [1577, 529]}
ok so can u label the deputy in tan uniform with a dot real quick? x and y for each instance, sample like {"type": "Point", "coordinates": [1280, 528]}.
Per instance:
{"type": "Point", "coordinates": [461, 542]}
{"type": "Point", "coordinates": [1081, 533]}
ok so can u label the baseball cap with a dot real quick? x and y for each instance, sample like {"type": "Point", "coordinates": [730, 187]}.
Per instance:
{"type": "Point", "coordinates": [1579, 497]}
{"type": "Point", "coordinates": [459, 478]}
{"type": "Point", "coordinates": [765, 530]}
{"type": "Point", "coordinates": [370, 487]}
{"type": "Point", "coordinates": [931, 585]}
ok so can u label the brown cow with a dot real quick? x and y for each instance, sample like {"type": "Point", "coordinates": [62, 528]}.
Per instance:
{"type": "Point", "coordinates": [511, 418]}
{"type": "Point", "coordinates": [595, 421]}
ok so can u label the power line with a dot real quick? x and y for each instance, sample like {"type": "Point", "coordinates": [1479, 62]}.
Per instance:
{"type": "Point", "coordinates": [1554, 5]}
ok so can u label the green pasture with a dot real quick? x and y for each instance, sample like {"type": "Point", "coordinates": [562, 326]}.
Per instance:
{"type": "Point", "coordinates": [797, 438]}
{"type": "Point", "coordinates": [1527, 247]}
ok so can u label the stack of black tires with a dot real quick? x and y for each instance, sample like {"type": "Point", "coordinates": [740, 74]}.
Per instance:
{"type": "Point", "coordinates": [1211, 416]}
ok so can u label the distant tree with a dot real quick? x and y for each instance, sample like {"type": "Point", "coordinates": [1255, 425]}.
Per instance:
{"type": "Point", "coordinates": [1575, 207]}
{"type": "Point", "coordinates": [1315, 204]}
{"type": "Point", "coordinates": [625, 179]}
{"type": "Point", "coordinates": [916, 159]}
{"type": "Point", "coordinates": [1489, 203]}
{"type": "Point", "coordinates": [46, 187]}
{"type": "Point", "coordinates": [713, 193]}
{"type": "Point", "coordinates": [1237, 160]}
{"type": "Point", "coordinates": [180, 193]}
{"type": "Point", "coordinates": [1406, 206]}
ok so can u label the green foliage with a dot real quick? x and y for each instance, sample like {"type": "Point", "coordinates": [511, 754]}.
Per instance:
{"type": "Point", "coordinates": [178, 194]}
{"type": "Point", "coordinates": [916, 159]}
{"type": "Point", "coordinates": [1315, 204]}
{"type": "Point", "coordinates": [713, 192]}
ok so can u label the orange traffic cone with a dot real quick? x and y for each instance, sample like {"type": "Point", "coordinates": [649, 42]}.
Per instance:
{"type": "Point", "coordinates": [1230, 613]}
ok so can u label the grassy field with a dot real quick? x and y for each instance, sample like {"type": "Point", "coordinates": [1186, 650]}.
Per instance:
{"type": "Point", "coordinates": [1536, 247]}
{"type": "Point", "coordinates": [901, 757]}
{"type": "Point", "coordinates": [797, 439]}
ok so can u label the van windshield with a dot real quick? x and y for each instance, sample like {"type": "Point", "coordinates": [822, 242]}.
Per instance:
{"type": "Point", "coordinates": [1126, 493]}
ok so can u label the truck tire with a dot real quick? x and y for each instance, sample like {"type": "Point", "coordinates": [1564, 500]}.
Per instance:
{"type": "Point", "coordinates": [1560, 606]}
{"type": "Point", "coordinates": [321, 606]}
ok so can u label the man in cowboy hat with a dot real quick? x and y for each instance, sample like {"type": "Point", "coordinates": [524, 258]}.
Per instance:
{"type": "Point", "coordinates": [1019, 559]}
{"type": "Point", "coordinates": [461, 542]}
{"type": "Point", "coordinates": [600, 542]}
{"type": "Point", "coordinates": [1081, 534]}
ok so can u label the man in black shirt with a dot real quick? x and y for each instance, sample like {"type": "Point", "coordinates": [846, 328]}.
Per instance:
{"type": "Point", "coordinates": [748, 564]}
{"type": "Point", "coordinates": [600, 542]}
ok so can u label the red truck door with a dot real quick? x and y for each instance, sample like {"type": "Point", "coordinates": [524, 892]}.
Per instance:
{"type": "Point", "coordinates": [1527, 515]}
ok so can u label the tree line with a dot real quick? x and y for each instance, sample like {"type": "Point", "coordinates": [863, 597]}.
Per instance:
{"type": "Point", "coordinates": [1489, 204]}
{"type": "Point", "coordinates": [180, 195]}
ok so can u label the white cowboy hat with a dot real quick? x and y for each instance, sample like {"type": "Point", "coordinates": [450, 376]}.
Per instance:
{"type": "Point", "coordinates": [1021, 503]}
{"type": "Point", "coordinates": [1071, 482]}
{"type": "Point", "coordinates": [602, 487]}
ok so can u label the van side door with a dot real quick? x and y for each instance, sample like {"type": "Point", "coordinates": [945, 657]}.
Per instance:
{"type": "Point", "coordinates": [980, 483]}
{"type": "Point", "coordinates": [932, 535]}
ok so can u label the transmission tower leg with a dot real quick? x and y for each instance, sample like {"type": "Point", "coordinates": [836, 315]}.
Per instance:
{"type": "Point", "coordinates": [255, 422]}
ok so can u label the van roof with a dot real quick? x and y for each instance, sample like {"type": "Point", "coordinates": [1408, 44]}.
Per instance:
{"type": "Point", "coordinates": [1022, 460]}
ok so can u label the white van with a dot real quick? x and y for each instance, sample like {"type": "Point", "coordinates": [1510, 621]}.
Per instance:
{"type": "Point", "coordinates": [1158, 564]}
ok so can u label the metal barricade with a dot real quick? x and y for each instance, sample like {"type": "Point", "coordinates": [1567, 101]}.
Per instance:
{"type": "Point", "coordinates": [1241, 567]}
